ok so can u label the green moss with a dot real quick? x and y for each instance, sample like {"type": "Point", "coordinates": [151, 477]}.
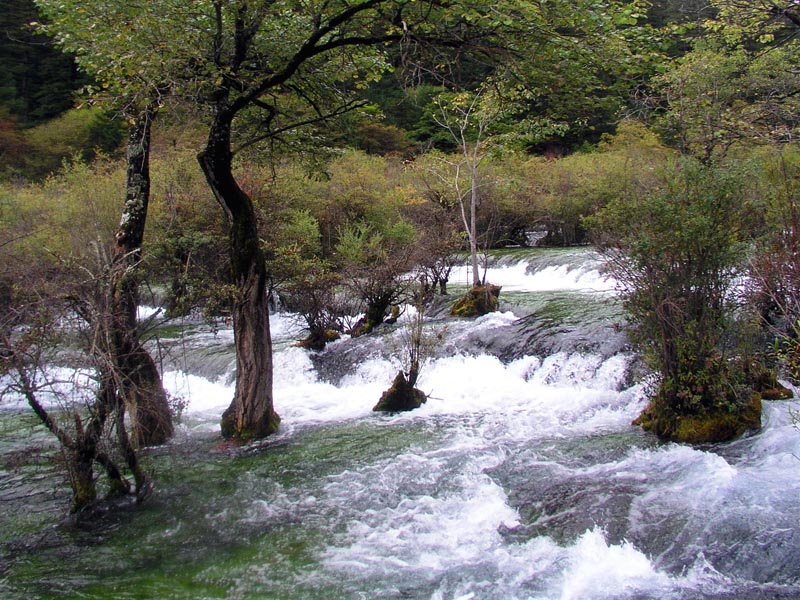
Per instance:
{"type": "Point", "coordinates": [480, 300]}
{"type": "Point", "coordinates": [117, 488]}
{"type": "Point", "coordinates": [318, 339]}
{"type": "Point", "coordinates": [230, 429]}
{"type": "Point", "coordinates": [84, 494]}
{"type": "Point", "coordinates": [718, 425]}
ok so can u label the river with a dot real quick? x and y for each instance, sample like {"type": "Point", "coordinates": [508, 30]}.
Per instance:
{"type": "Point", "coordinates": [520, 478]}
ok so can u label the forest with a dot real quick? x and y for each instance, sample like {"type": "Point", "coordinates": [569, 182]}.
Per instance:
{"type": "Point", "coordinates": [365, 167]}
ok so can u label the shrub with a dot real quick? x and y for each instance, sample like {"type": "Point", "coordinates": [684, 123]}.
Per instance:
{"type": "Point", "coordinates": [78, 133]}
{"type": "Point", "coordinates": [675, 251]}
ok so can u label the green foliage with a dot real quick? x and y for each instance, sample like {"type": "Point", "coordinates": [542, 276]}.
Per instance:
{"type": "Point", "coordinates": [66, 215]}
{"type": "Point", "coordinates": [361, 246]}
{"type": "Point", "coordinates": [553, 197]}
{"type": "Point", "coordinates": [756, 25]}
{"type": "Point", "coordinates": [675, 250]}
{"type": "Point", "coordinates": [407, 107]}
{"type": "Point", "coordinates": [187, 238]}
{"type": "Point", "coordinates": [374, 257]}
{"type": "Point", "coordinates": [718, 98]}
{"type": "Point", "coordinates": [37, 81]}
{"type": "Point", "coordinates": [77, 134]}
{"type": "Point", "coordinates": [382, 139]}
{"type": "Point", "coordinates": [364, 190]}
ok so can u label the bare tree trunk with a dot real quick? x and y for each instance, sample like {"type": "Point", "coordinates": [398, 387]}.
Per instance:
{"type": "Point", "coordinates": [473, 225]}
{"type": "Point", "coordinates": [251, 414]}
{"type": "Point", "coordinates": [140, 383]}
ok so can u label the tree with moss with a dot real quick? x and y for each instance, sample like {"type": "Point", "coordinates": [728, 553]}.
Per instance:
{"type": "Point", "coordinates": [676, 250]}
{"type": "Point", "coordinates": [138, 102]}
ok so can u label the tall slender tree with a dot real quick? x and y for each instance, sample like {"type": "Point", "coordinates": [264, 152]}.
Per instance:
{"type": "Point", "coordinates": [138, 381]}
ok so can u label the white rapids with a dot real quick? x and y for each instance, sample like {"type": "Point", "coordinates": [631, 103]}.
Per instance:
{"type": "Point", "coordinates": [539, 486]}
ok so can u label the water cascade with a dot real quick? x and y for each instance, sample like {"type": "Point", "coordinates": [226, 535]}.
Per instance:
{"type": "Point", "coordinates": [520, 478]}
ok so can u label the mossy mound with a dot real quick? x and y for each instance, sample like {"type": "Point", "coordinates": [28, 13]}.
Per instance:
{"type": "Point", "coordinates": [402, 396]}
{"type": "Point", "coordinates": [715, 426]}
{"type": "Point", "coordinates": [318, 339]}
{"type": "Point", "coordinates": [478, 301]}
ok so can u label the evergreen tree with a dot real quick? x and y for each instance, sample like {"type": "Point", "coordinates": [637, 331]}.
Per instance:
{"type": "Point", "coordinates": [37, 81]}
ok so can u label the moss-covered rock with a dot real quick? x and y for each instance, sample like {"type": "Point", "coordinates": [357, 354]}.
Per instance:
{"type": "Point", "coordinates": [478, 301]}
{"type": "Point", "coordinates": [777, 393]}
{"type": "Point", "coordinates": [317, 340]}
{"type": "Point", "coordinates": [718, 425]}
{"type": "Point", "coordinates": [402, 396]}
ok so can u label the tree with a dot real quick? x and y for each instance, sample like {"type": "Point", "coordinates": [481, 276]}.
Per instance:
{"type": "Point", "coordinates": [88, 421]}
{"type": "Point", "coordinates": [258, 57]}
{"type": "Point", "coordinates": [467, 118]}
{"type": "Point", "coordinates": [739, 83]}
{"type": "Point", "coordinates": [716, 99]}
{"type": "Point", "coordinates": [140, 382]}
{"type": "Point", "coordinates": [375, 267]}
{"type": "Point", "coordinates": [774, 268]}
{"type": "Point", "coordinates": [50, 234]}
{"type": "Point", "coordinates": [142, 387]}
{"type": "Point", "coordinates": [763, 40]}
{"type": "Point", "coordinates": [243, 61]}
{"type": "Point", "coordinates": [438, 238]}
{"type": "Point", "coordinates": [675, 250]}
{"type": "Point", "coordinates": [763, 22]}
{"type": "Point", "coordinates": [267, 73]}
{"type": "Point", "coordinates": [415, 346]}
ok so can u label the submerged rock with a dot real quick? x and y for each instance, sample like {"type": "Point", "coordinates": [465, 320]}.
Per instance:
{"type": "Point", "coordinates": [402, 396]}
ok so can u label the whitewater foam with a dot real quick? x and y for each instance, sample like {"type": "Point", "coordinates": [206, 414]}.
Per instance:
{"type": "Point", "coordinates": [521, 278]}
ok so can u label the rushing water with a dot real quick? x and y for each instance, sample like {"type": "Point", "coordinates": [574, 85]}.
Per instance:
{"type": "Point", "coordinates": [521, 477]}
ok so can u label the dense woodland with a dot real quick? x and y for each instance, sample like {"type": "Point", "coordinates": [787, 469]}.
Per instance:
{"type": "Point", "coordinates": [338, 159]}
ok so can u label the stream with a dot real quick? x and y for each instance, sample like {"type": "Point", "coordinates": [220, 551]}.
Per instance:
{"type": "Point", "coordinates": [520, 478]}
